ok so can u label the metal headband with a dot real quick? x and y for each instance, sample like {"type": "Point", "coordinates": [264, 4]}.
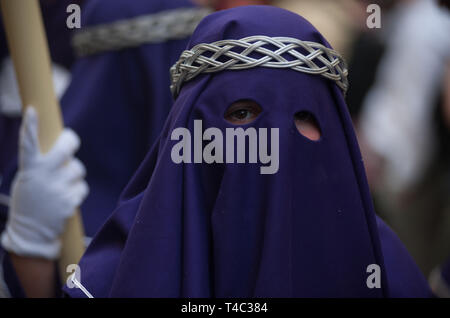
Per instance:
{"type": "Point", "coordinates": [151, 28]}
{"type": "Point", "coordinates": [272, 52]}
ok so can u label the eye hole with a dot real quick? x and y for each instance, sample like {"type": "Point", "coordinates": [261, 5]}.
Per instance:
{"type": "Point", "coordinates": [242, 112]}
{"type": "Point", "coordinates": [307, 125]}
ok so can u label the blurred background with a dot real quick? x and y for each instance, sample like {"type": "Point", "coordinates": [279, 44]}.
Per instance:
{"type": "Point", "coordinates": [399, 99]}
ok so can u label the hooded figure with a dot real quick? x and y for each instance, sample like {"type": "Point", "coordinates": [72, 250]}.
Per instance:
{"type": "Point", "coordinates": [210, 225]}
{"type": "Point", "coordinates": [119, 96]}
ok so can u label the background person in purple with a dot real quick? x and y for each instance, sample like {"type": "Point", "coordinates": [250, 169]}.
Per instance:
{"type": "Point", "coordinates": [225, 230]}
{"type": "Point", "coordinates": [119, 96]}
{"type": "Point", "coordinates": [54, 17]}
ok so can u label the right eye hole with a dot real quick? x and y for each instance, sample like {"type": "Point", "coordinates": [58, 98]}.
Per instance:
{"type": "Point", "coordinates": [307, 125]}
{"type": "Point", "coordinates": [242, 112]}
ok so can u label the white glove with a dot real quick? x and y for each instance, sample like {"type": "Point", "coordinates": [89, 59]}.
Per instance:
{"type": "Point", "coordinates": [45, 192]}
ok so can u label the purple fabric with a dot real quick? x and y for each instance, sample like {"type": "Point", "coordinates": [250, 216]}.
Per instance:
{"type": "Point", "coordinates": [3, 44]}
{"type": "Point", "coordinates": [59, 36]}
{"type": "Point", "coordinates": [117, 102]}
{"type": "Point", "coordinates": [404, 276]}
{"type": "Point", "coordinates": [9, 130]}
{"type": "Point", "coordinates": [225, 230]}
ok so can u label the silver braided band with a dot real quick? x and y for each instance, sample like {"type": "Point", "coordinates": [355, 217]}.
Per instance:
{"type": "Point", "coordinates": [151, 28]}
{"type": "Point", "coordinates": [272, 52]}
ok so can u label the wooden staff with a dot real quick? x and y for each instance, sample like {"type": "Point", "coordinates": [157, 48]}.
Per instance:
{"type": "Point", "coordinates": [29, 51]}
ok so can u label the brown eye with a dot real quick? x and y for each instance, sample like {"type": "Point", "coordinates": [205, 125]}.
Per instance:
{"type": "Point", "coordinates": [242, 112]}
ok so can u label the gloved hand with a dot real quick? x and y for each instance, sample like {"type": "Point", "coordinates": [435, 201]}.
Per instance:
{"type": "Point", "coordinates": [45, 192]}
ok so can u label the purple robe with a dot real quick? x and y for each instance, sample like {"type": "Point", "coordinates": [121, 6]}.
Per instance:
{"type": "Point", "coordinates": [225, 230]}
{"type": "Point", "coordinates": [117, 103]}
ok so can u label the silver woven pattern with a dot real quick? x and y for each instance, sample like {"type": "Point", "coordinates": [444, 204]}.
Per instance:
{"type": "Point", "coordinates": [152, 28]}
{"type": "Point", "coordinates": [273, 52]}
